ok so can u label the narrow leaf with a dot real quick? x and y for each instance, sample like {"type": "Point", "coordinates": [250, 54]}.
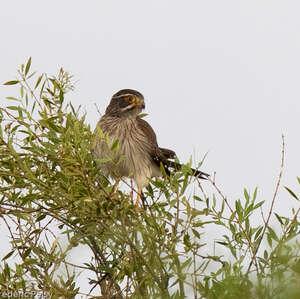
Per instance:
{"type": "Point", "coordinates": [100, 132]}
{"type": "Point", "coordinates": [272, 234]}
{"type": "Point", "coordinates": [11, 82]}
{"type": "Point", "coordinates": [254, 194]}
{"type": "Point", "coordinates": [258, 205]}
{"type": "Point", "coordinates": [278, 218]}
{"type": "Point", "coordinates": [12, 99]}
{"type": "Point", "coordinates": [28, 64]}
{"type": "Point", "coordinates": [115, 145]}
{"type": "Point", "coordinates": [143, 115]}
{"type": "Point", "coordinates": [12, 108]}
{"type": "Point", "coordinates": [291, 192]}
{"type": "Point", "coordinates": [246, 194]}
{"type": "Point", "coordinates": [8, 255]}
{"type": "Point", "coordinates": [38, 81]}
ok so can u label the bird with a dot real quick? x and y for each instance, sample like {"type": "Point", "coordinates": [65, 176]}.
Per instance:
{"type": "Point", "coordinates": [126, 145]}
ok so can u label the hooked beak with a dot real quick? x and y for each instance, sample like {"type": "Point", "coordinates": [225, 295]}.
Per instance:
{"type": "Point", "coordinates": [135, 102]}
{"type": "Point", "coordinates": [138, 102]}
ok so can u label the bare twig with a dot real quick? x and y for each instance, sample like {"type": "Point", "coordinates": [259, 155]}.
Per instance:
{"type": "Point", "coordinates": [292, 222]}
{"type": "Point", "coordinates": [97, 108]}
{"type": "Point", "coordinates": [30, 90]}
{"type": "Point", "coordinates": [236, 217]}
{"type": "Point", "coordinates": [272, 205]}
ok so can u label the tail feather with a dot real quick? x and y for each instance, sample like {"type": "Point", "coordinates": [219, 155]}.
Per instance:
{"type": "Point", "coordinates": [178, 166]}
{"type": "Point", "coordinates": [164, 155]}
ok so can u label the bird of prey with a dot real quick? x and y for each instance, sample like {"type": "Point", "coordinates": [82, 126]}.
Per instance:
{"type": "Point", "coordinates": [138, 155]}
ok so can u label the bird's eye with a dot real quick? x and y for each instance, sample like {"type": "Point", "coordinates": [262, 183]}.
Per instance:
{"type": "Point", "coordinates": [128, 99]}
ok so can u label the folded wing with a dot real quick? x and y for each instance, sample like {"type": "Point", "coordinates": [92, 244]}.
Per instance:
{"type": "Point", "coordinates": [164, 156]}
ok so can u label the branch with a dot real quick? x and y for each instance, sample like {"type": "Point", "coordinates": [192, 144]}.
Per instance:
{"type": "Point", "coordinates": [272, 205]}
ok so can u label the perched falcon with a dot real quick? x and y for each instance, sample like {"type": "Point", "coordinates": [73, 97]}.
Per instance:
{"type": "Point", "coordinates": [138, 155]}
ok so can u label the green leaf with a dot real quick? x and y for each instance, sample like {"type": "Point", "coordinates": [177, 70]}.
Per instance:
{"type": "Point", "coordinates": [197, 198]}
{"type": "Point", "coordinates": [272, 234]}
{"type": "Point", "coordinates": [8, 255]}
{"type": "Point", "coordinates": [100, 132]}
{"type": "Point", "coordinates": [196, 212]}
{"type": "Point", "coordinates": [296, 266]}
{"type": "Point", "coordinates": [61, 96]}
{"type": "Point", "coordinates": [291, 192]}
{"type": "Point", "coordinates": [31, 75]}
{"type": "Point", "coordinates": [22, 91]}
{"type": "Point", "coordinates": [185, 264]}
{"type": "Point", "coordinates": [254, 194]}
{"type": "Point", "coordinates": [104, 160]}
{"type": "Point", "coordinates": [30, 261]}
{"type": "Point", "coordinates": [278, 218]}
{"type": "Point", "coordinates": [28, 64]}
{"type": "Point", "coordinates": [239, 210]}
{"type": "Point", "coordinates": [258, 232]}
{"type": "Point", "coordinates": [258, 205]}
{"type": "Point", "coordinates": [40, 217]}
{"type": "Point", "coordinates": [11, 82]}
{"type": "Point", "coordinates": [142, 115]}
{"type": "Point", "coordinates": [42, 88]}
{"type": "Point", "coordinates": [13, 108]}
{"type": "Point", "coordinates": [246, 194]}
{"type": "Point", "coordinates": [38, 81]}
{"type": "Point", "coordinates": [186, 241]}
{"type": "Point", "coordinates": [232, 250]}
{"type": "Point", "coordinates": [26, 253]}
{"type": "Point", "coordinates": [196, 233]}
{"type": "Point", "coordinates": [12, 99]}
{"type": "Point", "coordinates": [115, 145]}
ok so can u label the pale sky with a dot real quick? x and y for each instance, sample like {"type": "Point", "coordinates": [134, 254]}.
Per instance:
{"type": "Point", "coordinates": [217, 76]}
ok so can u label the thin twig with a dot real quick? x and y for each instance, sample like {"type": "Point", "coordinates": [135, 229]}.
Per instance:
{"type": "Point", "coordinates": [272, 205]}
{"type": "Point", "coordinates": [236, 217]}
{"type": "Point", "coordinates": [97, 108]}
{"type": "Point", "coordinates": [292, 222]}
{"type": "Point", "coordinates": [30, 90]}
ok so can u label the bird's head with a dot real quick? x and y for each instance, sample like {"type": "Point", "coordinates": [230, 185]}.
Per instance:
{"type": "Point", "coordinates": [126, 103]}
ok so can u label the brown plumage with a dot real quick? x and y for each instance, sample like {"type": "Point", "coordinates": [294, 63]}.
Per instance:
{"type": "Point", "coordinates": [139, 155]}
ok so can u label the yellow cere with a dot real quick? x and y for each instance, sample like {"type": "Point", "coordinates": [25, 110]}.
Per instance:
{"type": "Point", "coordinates": [139, 101]}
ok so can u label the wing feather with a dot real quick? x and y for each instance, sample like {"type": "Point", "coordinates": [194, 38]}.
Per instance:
{"type": "Point", "coordinates": [163, 156]}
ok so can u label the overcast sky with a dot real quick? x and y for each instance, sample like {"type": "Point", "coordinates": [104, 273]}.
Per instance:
{"type": "Point", "coordinates": [217, 76]}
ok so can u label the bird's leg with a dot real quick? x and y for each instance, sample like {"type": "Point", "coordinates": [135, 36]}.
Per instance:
{"type": "Point", "coordinates": [115, 186]}
{"type": "Point", "coordinates": [139, 194]}
{"type": "Point", "coordinates": [131, 190]}
{"type": "Point", "coordinates": [142, 197]}
{"type": "Point", "coordinates": [144, 202]}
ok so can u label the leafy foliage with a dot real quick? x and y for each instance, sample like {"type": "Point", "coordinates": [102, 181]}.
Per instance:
{"type": "Point", "coordinates": [51, 187]}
